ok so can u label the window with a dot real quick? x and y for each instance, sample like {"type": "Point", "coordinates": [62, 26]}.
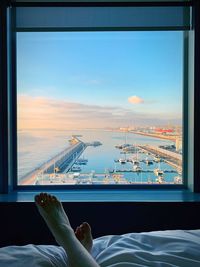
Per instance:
{"type": "Point", "coordinates": [101, 102]}
{"type": "Point", "coordinates": [100, 107]}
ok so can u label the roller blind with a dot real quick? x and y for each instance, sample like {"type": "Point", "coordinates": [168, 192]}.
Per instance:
{"type": "Point", "coordinates": [102, 18]}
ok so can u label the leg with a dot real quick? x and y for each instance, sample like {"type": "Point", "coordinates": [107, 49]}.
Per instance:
{"type": "Point", "coordinates": [55, 217]}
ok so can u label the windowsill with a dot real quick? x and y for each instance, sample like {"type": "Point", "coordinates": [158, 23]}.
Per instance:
{"type": "Point", "coordinates": [108, 196]}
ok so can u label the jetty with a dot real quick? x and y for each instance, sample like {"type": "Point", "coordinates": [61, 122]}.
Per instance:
{"type": "Point", "coordinates": [60, 163]}
{"type": "Point", "coordinates": [172, 158]}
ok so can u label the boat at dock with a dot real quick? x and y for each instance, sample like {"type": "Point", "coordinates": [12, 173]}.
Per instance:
{"type": "Point", "coordinates": [123, 146]}
{"type": "Point", "coordinates": [137, 168]}
{"type": "Point", "coordinates": [122, 161]}
{"type": "Point", "coordinates": [75, 169]}
{"type": "Point", "coordinates": [158, 172]}
{"type": "Point", "coordinates": [81, 161]}
{"type": "Point", "coordinates": [160, 180]}
{"type": "Point", "coordinates": [135, 162]}
{"type": "Point", "coordinates": [148, 161]}
{"type": "Point", "coordinates": [157, 159]}
{"type": "Point", "coordinates": [178, 180]}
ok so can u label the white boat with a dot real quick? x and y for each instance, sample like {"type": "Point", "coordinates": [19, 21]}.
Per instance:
{"type": "Point", "coordinates": [76, 174]}
{"type": "Point", "coordinates": [75, 168]}
{"type": "Point", "coordinates": [148, 161]}
{"type": "Point", "coordinates": [160, 180]}
{"type": "Point", "coordinates": [122, 161]}
{"type": "Point", "coordinates": [81, 161]}
{"type": "Point", "coordinates": [158, 172]}
{"type": "Point", "coordinates": [137, 168]}
{"type": "Point", "coordinates": [135, 162]}
{"type": "Point", "coordinates": [157, 159]}
{"type": "Point", "coordinates": [178, 180]}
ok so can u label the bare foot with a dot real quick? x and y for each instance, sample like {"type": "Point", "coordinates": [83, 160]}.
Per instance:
{"type": "Point", "coordinates": [56, 219]}
{"type": "Point", "coordinates": [54, 215]}
{"type": "Point", "coordinates": [84, 235]}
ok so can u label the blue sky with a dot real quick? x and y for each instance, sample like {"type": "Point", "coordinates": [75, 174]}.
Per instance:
{"type": "Point", "coordinates": [109, 74]}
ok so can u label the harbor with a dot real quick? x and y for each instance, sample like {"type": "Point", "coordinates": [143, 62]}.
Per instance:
{"type": "Point", "coordinates": [135, 164]}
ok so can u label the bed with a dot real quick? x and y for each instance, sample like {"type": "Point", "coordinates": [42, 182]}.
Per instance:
{"type": "Point", "coordinates": [158, 248]}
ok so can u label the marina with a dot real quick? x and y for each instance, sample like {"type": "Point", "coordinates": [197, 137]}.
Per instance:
{"type": "Point", "coordinates": [140, 163]}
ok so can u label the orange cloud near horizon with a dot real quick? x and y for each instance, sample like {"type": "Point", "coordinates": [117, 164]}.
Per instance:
{"type": "Point", "coordinates": [49, 113]}
{"type": "Point", "coordinates": [41, 113]}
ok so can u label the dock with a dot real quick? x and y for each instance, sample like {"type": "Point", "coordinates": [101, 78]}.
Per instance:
{"type": "Point", "coordinates": [61, 163]}
{"type": "Point", "coordinates": [80, 178]}
{"type": "Point", "coordinates": [172, 158]}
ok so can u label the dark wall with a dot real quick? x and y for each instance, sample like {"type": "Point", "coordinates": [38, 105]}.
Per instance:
{"type": "Point", "coordinates": [21, 223]}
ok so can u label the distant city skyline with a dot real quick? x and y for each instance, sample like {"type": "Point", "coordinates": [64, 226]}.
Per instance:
{"type": "Point", "coordinates": [75, 80]}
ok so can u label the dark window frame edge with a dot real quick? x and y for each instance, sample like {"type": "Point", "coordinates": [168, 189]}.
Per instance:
{"type": "Point", "coordinates": [14, 185]}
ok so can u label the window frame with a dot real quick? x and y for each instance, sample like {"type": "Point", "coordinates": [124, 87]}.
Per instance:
{"type": "Point", "coordinates": [10, 147]}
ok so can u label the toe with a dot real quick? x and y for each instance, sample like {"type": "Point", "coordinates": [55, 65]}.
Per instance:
{"type": "Point", "coordinates": [79, 233]}
{"type": "Point", "coordinates": [86, 226]}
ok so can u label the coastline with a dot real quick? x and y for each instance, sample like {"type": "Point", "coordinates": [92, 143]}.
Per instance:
{"type": "Point", "coordinates": [159, 136]}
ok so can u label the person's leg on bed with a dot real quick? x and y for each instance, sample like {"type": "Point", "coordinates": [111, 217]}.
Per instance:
{"type": "Point", "coordinates": [55, 217]}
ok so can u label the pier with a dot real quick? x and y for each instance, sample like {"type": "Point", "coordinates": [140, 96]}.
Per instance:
{"type": "Point", "coordinates": [172, 158]}
{"type": "Point", "coordinates": [95, 179]}
{"type": "Point", "coordinates": [81, 178]}
{"type": "Point", "coordinates": [61, 163]}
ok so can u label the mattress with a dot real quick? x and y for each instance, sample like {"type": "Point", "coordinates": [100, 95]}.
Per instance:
{"type": "Point", "coordinates": [156, 249]}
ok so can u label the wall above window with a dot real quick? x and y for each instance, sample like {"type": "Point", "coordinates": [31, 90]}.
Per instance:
{"type": "Point", "coordinates": [101, 1]}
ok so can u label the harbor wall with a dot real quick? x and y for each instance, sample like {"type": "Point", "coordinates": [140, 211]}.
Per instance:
{"type": "Point", "coordinates": [62, 161]}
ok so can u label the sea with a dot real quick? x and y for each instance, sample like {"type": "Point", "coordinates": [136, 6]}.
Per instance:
{"type": "Point", "coordinates": [37, 146]}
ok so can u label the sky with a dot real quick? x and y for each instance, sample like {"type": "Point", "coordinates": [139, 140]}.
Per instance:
{"type": "Point", "coordinates": [74, 80]}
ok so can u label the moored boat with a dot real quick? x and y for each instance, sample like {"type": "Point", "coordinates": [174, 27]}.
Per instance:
{"type": "Point", "coordinates": [75, 169]}
{"type": "Point", "coordinates": [122, 161]}
{"type": "Point", "coordinates": [158, 172]}
{"type": "Point", "coordinates": [148, 161]}
{"type": "Point", "coordinates": [137, 168]}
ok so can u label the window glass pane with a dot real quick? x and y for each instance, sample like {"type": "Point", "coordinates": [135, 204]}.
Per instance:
{"type": "Point", "coordinates": [100, 107]}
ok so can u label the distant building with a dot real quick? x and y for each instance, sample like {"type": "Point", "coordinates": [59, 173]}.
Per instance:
{"type": "Point", "coordinates": [178, 143]}
{"type": "Point", "coordinates": [164, 131]}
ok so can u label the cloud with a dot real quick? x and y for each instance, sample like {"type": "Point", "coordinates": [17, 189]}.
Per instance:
{"type": "Point", "coordinates": [43, 113]}
{"type": "Point", "coordinates": [135, 100]}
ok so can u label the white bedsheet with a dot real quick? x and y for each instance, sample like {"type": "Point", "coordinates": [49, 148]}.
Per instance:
{"type": "Point", "coordinates": [157, 249]}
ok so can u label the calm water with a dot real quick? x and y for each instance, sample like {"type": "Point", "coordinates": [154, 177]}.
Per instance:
{"type": "Point", "coordinates": [36, 147]}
